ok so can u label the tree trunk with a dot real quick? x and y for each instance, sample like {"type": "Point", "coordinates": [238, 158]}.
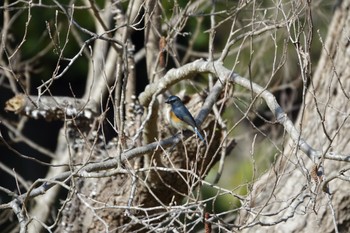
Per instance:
{"type": "Point", "coordinates": [130, 197]}
{"type": "Point", "coordinates": [288, 194]}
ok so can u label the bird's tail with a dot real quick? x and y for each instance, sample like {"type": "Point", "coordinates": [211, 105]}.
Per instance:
{"type": "Point", "coordinates": [199, 134]}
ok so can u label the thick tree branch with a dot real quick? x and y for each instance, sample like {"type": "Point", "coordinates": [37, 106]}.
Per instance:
{"type": "Point", "coordinates": [224, 76]}
{"type": "Point", "coordinates": [51, 108]}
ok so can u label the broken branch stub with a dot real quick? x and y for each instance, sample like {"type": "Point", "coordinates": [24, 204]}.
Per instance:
{"type": "Point", "coordinates": [51, 107]}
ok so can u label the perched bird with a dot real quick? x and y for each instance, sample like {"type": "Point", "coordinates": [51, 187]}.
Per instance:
{"type": "Point", "coordinates": [180, 117]}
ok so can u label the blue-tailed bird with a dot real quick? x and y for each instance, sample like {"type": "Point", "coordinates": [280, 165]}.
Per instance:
{"type": "Point", "coordinates": [180, 117]}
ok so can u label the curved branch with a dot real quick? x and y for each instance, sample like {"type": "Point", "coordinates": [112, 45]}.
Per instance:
{"type": "Point", "coordinates": [228, 76]}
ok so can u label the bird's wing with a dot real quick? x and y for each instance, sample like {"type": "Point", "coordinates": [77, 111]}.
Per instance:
{"type": "Point", "coordinates": [187, 117]}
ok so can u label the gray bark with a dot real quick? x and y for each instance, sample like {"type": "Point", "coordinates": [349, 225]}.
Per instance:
{"type": "Point", "coordinates": [287, 194]}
